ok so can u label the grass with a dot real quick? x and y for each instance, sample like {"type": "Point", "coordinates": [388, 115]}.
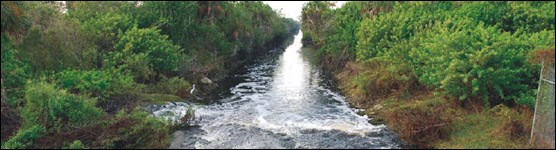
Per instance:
{"type": "Point", "coordinates": [419, 120]}
{"type": "Point", "coordinates": [486, 130]}
{"type": "Point", "coordinates": [160, 98]}
{"type": "Point", "coordinates": [129, 131]}
{"type": "Point", "coordinates": [426, 120]}
{"type": "Point", "coordinates": [468, 129]}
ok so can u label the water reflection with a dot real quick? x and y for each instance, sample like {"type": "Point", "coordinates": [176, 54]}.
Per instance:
{"type": "Point", "coordinates": [280, 103]}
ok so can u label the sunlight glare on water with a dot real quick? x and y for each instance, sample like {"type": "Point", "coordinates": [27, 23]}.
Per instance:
{"type": "Point", "coordinates": [280, 100]}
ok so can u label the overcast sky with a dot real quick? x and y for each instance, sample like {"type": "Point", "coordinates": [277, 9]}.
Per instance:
{"type": "Point", "coordinates": [292, 9]}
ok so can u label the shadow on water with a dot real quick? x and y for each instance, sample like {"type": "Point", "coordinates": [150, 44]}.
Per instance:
{"type": "Point", "coordinates": [222, 90]}
{"type": "Point", "coordinates": [281, 99]}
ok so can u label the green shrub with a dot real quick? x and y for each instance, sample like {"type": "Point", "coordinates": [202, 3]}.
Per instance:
{"type": "Point", "coordinates": [314, 16]}
{"type": "Point", "coordinates": [174, 85]}
{"type": "Point", "coordinates": [489, 13]}
{"type": "Point", "coordinates": [13, 20]}
{"type": "Point", "coordinates": [389, 34]}
{"type": "Point", "coordinates": [52, 108]}
{"type": "Point", "coordinates": [420, 126]}
{"type": "Point", "coordinates": [342, 39]}
{"type": "Point", "coordinates": [478, 62]}
{"type": "Point", "coordinates": [24, 137]}
{"type": "Point", "coordinates": [148, 48]}
{"type": "Point", "coordinates": [14, 72]}
{"type": "Point", "coordinates": [528, 16]}
{"type": "Point", "coordinates": [88, 10]}
{"type": "Point", "coordinates": [541, 40]}
{"type": "Point", "coordinates": [147, 131]}
{"type": "Point", "coordinates": [527, 98]}
{"type": "Point", "coordinates": [97, 83]}
{"type": "Point", "coordinates": [177, 27]}
{"type": "Point", "coordinates": [460, 49]}
{"type": "Point", "coordinates": [77, 145]}
{"type": "Point", "coordinates": [55, 43]}
{"type": "Point", "coordinates": [106, 28]}
{"type": "Point", "coordinates": [380, 78]}
{"type": "Point", "coordinates": [138, 67]}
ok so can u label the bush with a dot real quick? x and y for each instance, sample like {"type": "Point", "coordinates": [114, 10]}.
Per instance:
{"type": "Point", "coordinates": [77, 145]}
{"type": "Point", "coordinates": [187, 119]}
{"type": "Point", "coordinates": [468, 64]}
{"type": "Point", "coordinates": [177, 27]}
{"type": "Point", "coordinates": [106, 28]}
{"type": "Point", "coordinates": [14, 73]}
{"type": "Point", "coordinates": [341, 40]}
{"type": "Point", "coordinates": [314, 16]}
{"type": "Point", "coordinates": [147, 131]}
{"type": "Point", "coordinates": [175, 85]}
{"type": "Point", "coordinates": [148, 49]}
{"type": "Point", "coordinates": [527, 16]}
{"type": "Point", "coordinates": [461, 50]}
{"type": "Point", "coordinates": [374, 79]}
{"type": "Point", "coordinates": [420, 126]}
{"type": "Point", "coordinates": [14, 20]}
{"type": "Point", "coordinates": [97, 83]}
{"type": "Point", "coordinates": [52, 108]}
{"type": "Point", "coordinates": [55, 43]}
{"type": "Point", "coordinates": [24, 137]}
{"type": "Point", "coordinates": [512, 126]}
{"type": "Point", "coordinates": [389, 34]}
{"type": "Point", "coordinates": [489, 13]}
{"type": "Point", "coordinates": [139, 68]}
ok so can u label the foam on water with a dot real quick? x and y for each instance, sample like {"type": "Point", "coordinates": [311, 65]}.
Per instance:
{"type": "Point", "coordinates": [283, 100]}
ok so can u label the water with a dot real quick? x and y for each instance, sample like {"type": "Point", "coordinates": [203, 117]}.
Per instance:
{"type": "Point", "coordinates": [280, 100]}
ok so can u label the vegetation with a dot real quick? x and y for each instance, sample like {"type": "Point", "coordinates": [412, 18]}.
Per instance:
{"type": "Point", "coordinates": [96, 83]}
{"type": "Point", "coordinates": [435, 66]}
{"type": "Point", "coordinates": [24, 138]}
{"type": "Point", "coordinates": [51, 107]}
{"type": "Point", "coordinates": [457, 50]}
{"type": "Point", "coordinates": [77, 145]}
{"type": "Point", "coordinates": [13, 69]}
{"type": "Point", "coordinates": [71, 73]}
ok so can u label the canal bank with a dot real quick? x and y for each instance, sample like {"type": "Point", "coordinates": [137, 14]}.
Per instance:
{"type": "Point", "coordinates": [278, 100]}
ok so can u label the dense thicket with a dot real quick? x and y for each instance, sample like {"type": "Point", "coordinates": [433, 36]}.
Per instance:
{"type": "Point", "coordinates": [69, 68]}
{"type": "Point", "coordinates": [466, 50]}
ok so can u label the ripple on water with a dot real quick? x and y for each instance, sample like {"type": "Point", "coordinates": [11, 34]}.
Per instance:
{"type": "Point", "coordinates": [278, 103]}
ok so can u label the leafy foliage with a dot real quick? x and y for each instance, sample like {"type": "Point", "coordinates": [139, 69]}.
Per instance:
{"type": "Point", "coordinates": [106, 28]}
{"type": "Point", "coordinates": [54, 43]}
{"type": "Point", "coordinates": [475, 65]}
{"type": "Point", "coordinates": [213, 33]}
{"type": "Point", "coordinates": [174, 85]}
{"type": "Point", "coordinates": [96, 83]}
{"type": "Point", "coordinates": [77, 145]}
{"type": "Point", "coordinates": [14, 72]}
{"type": "Point", "coordinates": [14, 21]}
{"type": "Point", "coordinates": [112, 51]}
{"type": "Point", "coordinates": [313, 17]}
{"type": "Point", "coordinates": [90, 10]}
{"type": "Point", "coordinates": [459, 48]}
{"type": "Point", "coordinates": [52, 108]}
{"type": "Point", "coordinates": [143, 50]}
{"type": "Point", "coordinates": [147, 131]}
{"type": "Point", "coordinates": [24, 137]}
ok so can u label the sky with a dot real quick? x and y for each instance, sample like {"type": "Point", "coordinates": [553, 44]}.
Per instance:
{"type": "Point", "coordinates": [292, 9]}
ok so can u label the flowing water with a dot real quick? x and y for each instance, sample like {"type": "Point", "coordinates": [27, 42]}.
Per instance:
{"type": "Point", "coordinates": [278, 100]}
